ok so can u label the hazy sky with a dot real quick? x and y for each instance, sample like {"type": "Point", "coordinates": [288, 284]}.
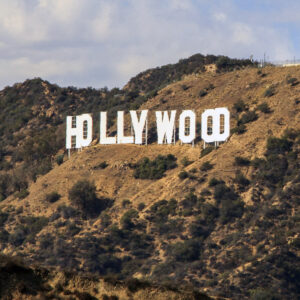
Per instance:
{"type": "Point", "coordinates": [103, 43]}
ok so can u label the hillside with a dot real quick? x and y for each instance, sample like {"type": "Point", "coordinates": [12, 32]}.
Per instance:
{"type": "Point", "coordinates": [18, 281]}
{"type": "Point", "coordinates": [224, 220]}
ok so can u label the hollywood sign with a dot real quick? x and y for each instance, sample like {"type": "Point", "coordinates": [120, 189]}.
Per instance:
{"type": "Point", "coordinates": [215, 127]}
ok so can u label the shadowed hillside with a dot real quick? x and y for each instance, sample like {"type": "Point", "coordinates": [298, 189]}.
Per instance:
{"type": "Point", "coordinates": [22, 282]}
{"type": "Point", "coordinates": [224, 220]}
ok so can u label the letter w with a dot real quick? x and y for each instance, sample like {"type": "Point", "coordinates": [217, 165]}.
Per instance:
{"type": "Point", "coordinates": [165, 126]}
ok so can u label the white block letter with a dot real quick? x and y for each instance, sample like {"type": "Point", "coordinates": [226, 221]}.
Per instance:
{"type": "Point", "coordinates": [186, 139]}
{"type": "Point", "coordinates": [121, 138]}
{"type": "Point", "coordinates": [104, 140]}
{"type": "Point", "coordinates": [165, 126]}
{"type": "Point", "coordinates": [80, 127]}
{"type": "Point", "coordinates": [85, 125]}
{"type": "Point", "coordinates": [138, 125]}
{"type": "Point", "coordinates": [218, 134]}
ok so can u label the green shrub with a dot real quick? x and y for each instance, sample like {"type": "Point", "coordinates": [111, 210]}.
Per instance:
{"type": "Point", "coordinates": [291, 134]}
{"type": "Point", "coordinates": [202, 93]}
{"type": "Point", "coordinates": [230, 209]}
{"type": "Point", "coordinates": [60, 159]}
{"type": "Point", "coordinates": [258, 162]}
{"type": "Point", "coordinates": [213, 182]}
{"type": "Point", "coordinates": [241, 180]}
{"type": "Point", "coordinates": [134, 284]}
{"type": "Point", "coordinates": [185, 251]}
{"type": "Point", "coordinates": [248, 117]}
{"type": "Point", "coordinates": [52, 197]}
{"type": "Point", "coordinates": [17, 237]}
{"type": "Point", "coordinates": [240, 129]}
{"type": "Point", "coordinates": [209, 212]}
{"type": "Point", "coordinates": [292, 81]}
{"type": "Point", "coordinates": [240, 106]}
{"type": "Point", "coordinates": [154, 169]}
{"type": "Point", "coordinates": [126, 202]}
{"type": "Point", "coordinates": [262, 294]}
{"type": "Point", "coordinates": [278, 145]}
{"type": "Point", "coordinates": [141, 206]}
{"type": "Point", "coordinates": [270, 91]}
{"type": "Point", "coordinates": [27, 230]}
{"type": "Point", "coordinates": [183, 175]}
{"type": "Point", "coordinates": [83, 195]}
{"type": "Point", "coordinates": [126, 220]}
{"type": "Point", "coordinates": [22, 194]}
{"type": "Point", "coordinates": [160, 210]}
{"type": "Point", "coordinates": [241, 161]}
{"type": "Point", "coordinates": [264, 107]}
{"type": "Point", "coordinates": [102, 165]}
{"type": "Point", "coordinates": [223, 192]}
{"type": "Point", "coordinates": [272, 170]}
{"type": "Point", "coordinates": [206, 166]}
{"type": "Point", "coordinates": [67, 211]}
{"type": "Point", "coordinates": [185, 161]}
{"type": "Point", "coordinates": [4, 236]}
{"type": "Point", "coordinates": [197, 230]}
{"type": "Point", "coordinates": [3, 218]}
{"type": "Point", "coordinates": [206, 151]}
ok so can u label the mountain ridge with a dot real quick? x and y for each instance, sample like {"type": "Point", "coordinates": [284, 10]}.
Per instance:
{"type": "Point", "coordinates": [224, 220]}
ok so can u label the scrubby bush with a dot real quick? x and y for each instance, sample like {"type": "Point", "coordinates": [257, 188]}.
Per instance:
{"type": "Point", "coordinates": [264, 107]}
{"type": "Point", "coordinates": [240, 106]}
{"type": "Point", "coordinates": [197, 230]}
{"type": "Point", "coordinates": [206, 151]}
{"type": "Point", "coordinates": [185, 161]}
{"type": "Point", "coordinates": [231, 209]}
{"type": "Point", "coordinates": [160, 210]}
{"type": "Point", "coordinates": [242, 161]}
{"type": "Point", "coordinates": [189, 201]}
{"type": "Point", "coordinates": [278, 145]}
{"type": "Point", "coordinates": [248, 117]}
{"type": "Point", "coordinates": [102, 165]}
{"type": "Point", "coordinates": [213, 182]}
{"type": "Point", "coordinates": [262, 294]}
{"type": "Point", "coordinates": [241, 180]}
{"type": "Point", "coordinates": [185, 251]}
{"type": "Point", "coordinates": [272, 170]}
{"type": "Point", "coordinates": [67, 211]}
{"type": "Point", "coordinates": [183, 175]}
{"type": "Point", "coordinates": [257, 162]}
{"type": "Point", "coordinates": [126, 202]}
{"type": "Point", "coordinates": [240, 129]}
{"type": "Point", "coordinates": [206, 166]}
{"type": "Point", "coordinates": [270, 91]}
{"type": "Point", "coordinates": [60, 159]}
{"type": "Point", "coordinates": [223, 192]}
{"type": "Point", "coordinates": [154, 169]}
{"type": "Point", "coordinates": [202, 93]}
{"type": "Point", "coordinates": [3, 218]}
{"type": "Point", "coordinates": [52, 197]}
{"type": "Point", "coordinates": [22, 194]}
{"type": "Point", "coordinates": [141, 206]}
{"type": "Point", "coordinates": [127, 219]}
{"type": "Point", "coordinates": [292, 81]}
{"type": "Point", "coordinates": [83, 196]}
{"type": "Point", "coordinates": [209, 212]}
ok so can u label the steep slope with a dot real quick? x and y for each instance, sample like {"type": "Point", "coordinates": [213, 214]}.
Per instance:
{"type": "Point", "coordinates": [33, 113]}
{"type": "Point", "coordinates": [22, 282]}
{"type": "Point", "coordinates": [226, 221]}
